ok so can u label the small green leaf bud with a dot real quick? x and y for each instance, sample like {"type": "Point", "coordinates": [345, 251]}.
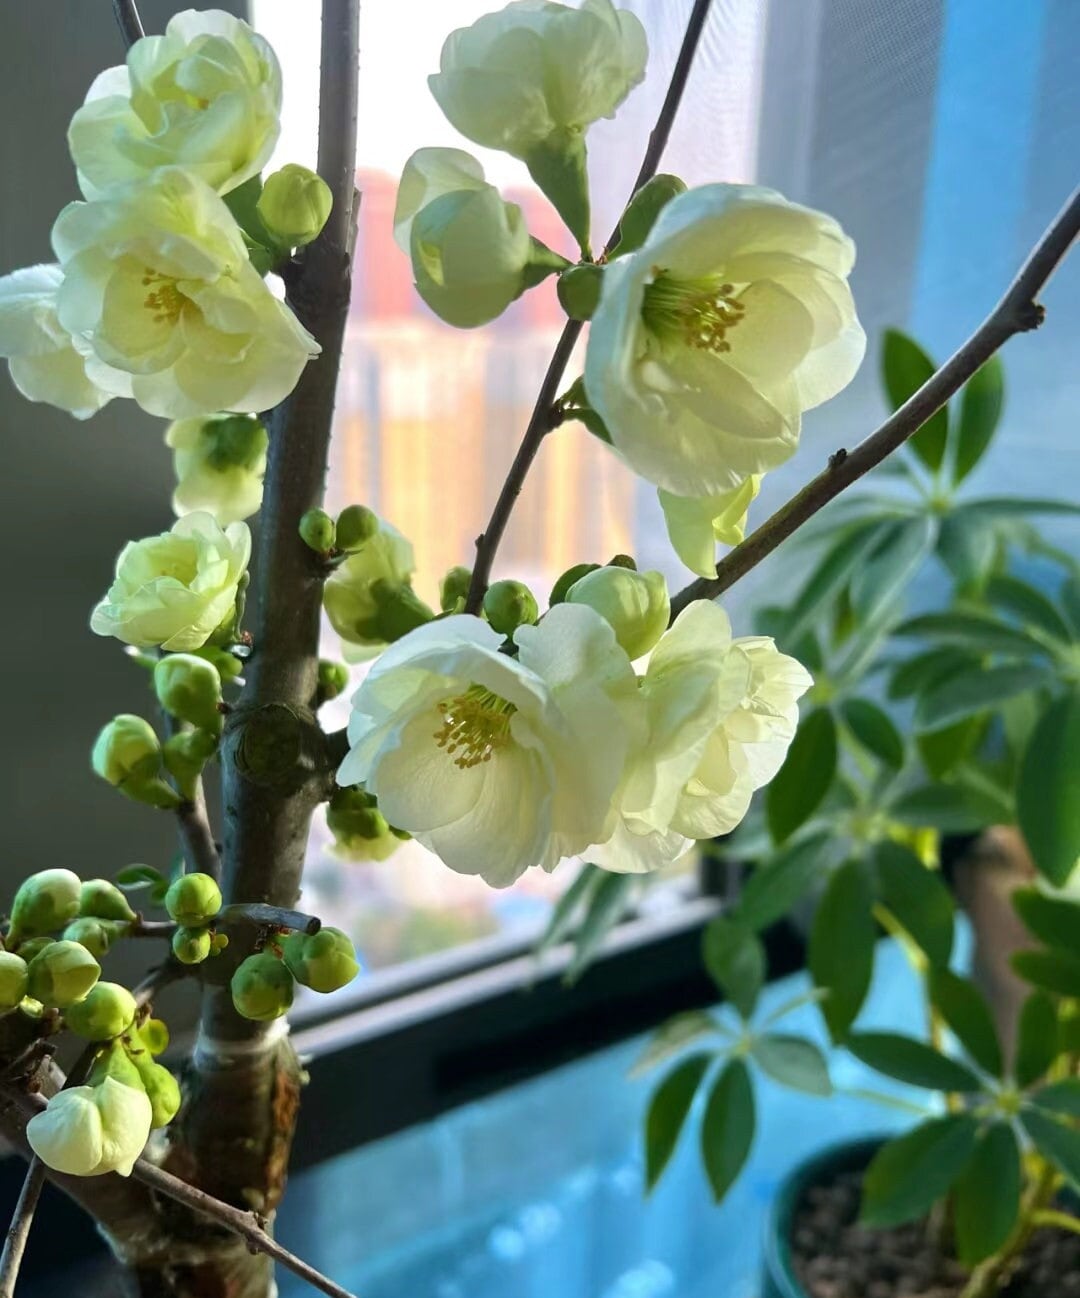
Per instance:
{"type": "Point", "coordinates": [62, 974]}
{"type": "Point", "coordinates": [191, 945]}
{"type": "Point", "coordinates": [44, 902]}
{"type": "Point", "coordinates": [97, 935]}
{"type": "Point", "coordinates": [579, 291]}
{"type": "Point", "coordinates": [508, 605]}
{"type": "Point", "coordinates": [635, 604]}
{"type": "Point", "coordinates": [558, 591]}
{"type": "Point", "coordinates": [333, 680]}
{"type": "Point", "coordinates": [454, 588]}
{"type": "Point", "coordinates": [193, 900]}
{"type": "Point", "coordinates": [107, 1011]}
{"type": "Point", "coordinates": [102, 899]}
{"type": "Point", "coordinates": [127, 754]}
{"type": "Point", "coordinates": [189, 687]}
{"type": "Point", "coordinates": [317, 531]}
{"type": "Point", "coordinates": [185, 755]}
{"type": "Point", "coordinates": [13, 979]}
{"type": "Point", "coordinates": [294, 205]}
{"type": "Point", "coordinates": [161, 1087]}
{"type": "Point", "coordinates": [355, 525]}
{"type": "Point", "coordinates": [262, 988]}
{"type": "Point", "coordinates": [324, 961]}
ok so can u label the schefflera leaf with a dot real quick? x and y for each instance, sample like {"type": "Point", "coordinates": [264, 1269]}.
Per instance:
{"type": "Point", "coordinates": [908, 1175]}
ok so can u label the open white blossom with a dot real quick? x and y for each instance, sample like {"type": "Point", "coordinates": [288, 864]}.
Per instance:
{"type": "Point", "coordinates": [157, 277]}
{"type": "Point", "coordinates": [206, 96]}
{"type": "Point", "coordinates": [219, 465]}
{"type": "Point", "coordinates": [46, 362]}
{"type": "Point", "coordinates": [711, 339]}
{"type": "Point", "coordinates": [176, 589]}
{"type": "Point", "coordinates": [91, 1130]}
{"type": "Point", "coordinates": [696, 524]}
{"type": "Point", "coordinates": [349, 594]}
{"type": "Point", "coordinates": [496, 763]}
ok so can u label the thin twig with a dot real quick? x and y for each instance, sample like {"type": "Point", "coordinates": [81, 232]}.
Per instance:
{"type": "Point", "coordinates": [543, 418]}
{"type": "Point", "coordinates": [170, 971]}
{"type": "Point", "coordinates": [128, 20]}
{"type": "Point", "coordinates": [163, 928]}
{"type": "Point", "coordinates": [197, 836]}
{"type": "Point", "coordinates": [19, 1230]}
{"type": "Point", "coordinates": [270, 917]}
{"type": "Point", "coordinates": [1016, 313]}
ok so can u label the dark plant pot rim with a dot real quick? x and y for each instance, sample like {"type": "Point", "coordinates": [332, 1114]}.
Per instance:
{"type": "Point", "coordinates": [853, 1153]}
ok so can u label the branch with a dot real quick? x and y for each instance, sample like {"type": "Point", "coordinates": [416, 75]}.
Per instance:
{"type": "Point", "coordinates": [19, 1230]}
{"type": "Point", "coordinates": [1017, 312]}
{"type": "Point", "coordinates": [270, 917]}
{"type": "Point", "coordinates": [543, 419]}
{"type": "Point", "coordinates": [169, 971]}
{"type": "Point", "coordinates": [197, 836]}
{"type": "Point", "coordinates": [128, 20]}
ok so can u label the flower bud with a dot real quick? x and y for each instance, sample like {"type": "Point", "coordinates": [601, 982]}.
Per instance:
{"type": "Point", "coordinates": [191, 945]}
{"type": "Point", "coordinates": [62, 974]}
{"type": "Point", "coordinates": [219, 464]}
{"type": "Point", "coordinates": [107, 1011]}
{"type": "Point", "coordinates": [333, 680]}
{"type": "Point", "coordinates": [454, 589]}
{"type": "Point", "coordinates": [569, 577]}
{"type": "Point", "coordinates": [508, 605]}
{"type": "Point", "coordinates": [161, 1087]}
{"type": "Point", "coordinates": [100, 899]}
{"type": "Point", "coordinates": [360, 830]}
{"type": "Point", "coordinates": [13, 979]}
{"type": "Point", "coordinates": [27, 950]}
{"type": "Point", "coordinates": [193, 900]}
{"type": "Point", "coordinates": [44, 902]}
{"type": "Point", "coordinates": [636, 604]}
{"type": "Point", "coordinates": [90, 1130]}
{"type": "Point", "coordinates": [262, 988]}
{"type": "Point", "coordinates": [185, 755]}
{"type": "Point", "coordinates": [97, 935]}
{"type": "Point", "coordinates": [579, 291]}
{"type": "Point", "coordinates": [355, 525]}
{"type": "Point", "coordinates": [153, 1035]}
{"type": "Point", "coordinates": [294, 205]}
{"type": "Point", "coordinates": [317, 531]}
{"type": "Point", "coordinates": [324, 961]}
{"type": "Point", "coordinates": [127, 754]}
{"type": "Point", "coordinates": [228, 665]}
{"type": "Point", "coordinates": [189, 688]}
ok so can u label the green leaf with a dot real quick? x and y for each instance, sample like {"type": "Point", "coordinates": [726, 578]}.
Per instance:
{"type": "Point", "coordinates": [908, 1175]}
{"type": "Point", "coordinates": [944, 807]}
{"type": "Point", "coordinates": [735, 961]}
{"type": "Point", "coordinates": [873, 728]}
{"type": "Point", "coordinates": [886, 569]}
{"type": "Point", "coordinates": [987, 1195]}
{"type": "Point", "coordinates": [911, 1061]}
{"type": "Point", "coordinates": [799, 786]}
{"type": "Point", "coordinates": [640, 216]}
{"type": "Point", "coordinates": [1031, 606]}
{"type": "Point", "coordinates": [1036, 1039]}
{"type": "Point", "coordinates": [559, 168]}
{"type": "Point", "coordinates": [792, 1061]}
{"type": "Point", "coordinates": [980, 411]}
{"type": "Point", "coordinates": [916, 897]}
{"type": "Point", "coordinates": [1010, 506]}
{"type": "Point", "coordinates": [942, 751]}
{"type": "Point", "coordinates": [727, 1132]}
{"type": "Point", "coordinates": [607, 905]}
{"type": "Point", "coordinates": [1053, 971]}
{"type": "Point", "coordinates": [139, 876]}
{"type": "Point", "coordinates": [1060, 1097]}
{"type": "Point", "coordinates": [968, 545]}
{"type": "Point", "coordinates": [830, 575]}
{"type": "Point", "coordinates": [564, 915]}
{"type": "Point", "coordinates": [1053, 920]}
{"type": "Point", "coordinates": [961, 1005]}
{"type": "Point", "coordinates": [1070, 602]}
{"type": "Point", "coordinates": [905, 367]}
{"type": "Point", "coordinates": [977, 632]}
{"type": "Point", "coordinates": [841, 949]}
{"type": "Point", "coordinates": [921, 671]}
{"type": "Point", "coordinates": [668, 1110]}
{"type": "Point", "coordinates": [1047, 806]}
{"type": "Point", "coordinates": [1055, 1141]}
{"type": "Point", "coordinates": [672, 1037]}
{"type": "Point", "coordinates": [970, 693]}
{"type": "Point", "coordinates": [774, 888]}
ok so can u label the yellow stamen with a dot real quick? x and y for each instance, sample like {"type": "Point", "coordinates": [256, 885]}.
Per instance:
{"type": "Point", "coordinates": [477, 723]}
{"type": "Point", "coordinates": [696, 312]}
{"type": "Point", "coordinates": [166, 301]}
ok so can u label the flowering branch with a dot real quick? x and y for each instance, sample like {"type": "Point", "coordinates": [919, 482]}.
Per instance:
{"type": "Point", "coordinates": [128, 20]}
{"type": "Point", "coordinates": [19, 1230]}
{"type": "Point", "coordinates": [1017, 312]}
{"type": "Point", "coordinates": [544, 416]}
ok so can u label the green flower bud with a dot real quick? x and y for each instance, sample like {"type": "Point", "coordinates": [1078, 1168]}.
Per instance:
{"type": "Point", "coordinates": [361, 832]}
{"type": "Point", "coordinates": [161, 1087]}
{"type": "Point", "coordinates": [228, 665]}
{"type": "Point", "coordinates": [13, 979]}
{"type": "Point", "coordinates": [154, 1036]}
{"type": "Point", "coordinates": [636, 604]}
{"type": "Point", "coordinates": [101, 899]}
{"type": "Point", "coordinates": [333, 680]}
{"type": "Point", "coordinates": [185, 755]}
{"type": "Point", "coordinates": [115, 1062]}
{"type": "Point", "coordinates": [62, 974]}
{"type": "Point", "coordinates": [508, 605]}
{"type": "Point", "coordinates": [189, 687]}
{"type": "Point", "coordinates": [107, 1011]}
{"type": "Point", "coordinates": [454, 589]}
{"type": "Point", "coordinates": [44, 902]}
{"type": "Point", "coordinates": [27, 950]}
{"type": "Point", "coordinates": [127, 754]}
{"type": "Point", "coordinates": [191, 945]}
{"type": "Point", "coordinates": [579, 291]}
{"type": "Point", "coordinates": [571, 575]}
{"type": "Point", "coordinates": [317, 531]}
{"type": "Point", "coordinates": [193, 900]}
{"type": "Point", "coordinates": [294, 205]}
{"type": "Point", "coordinates": [97, 935]}
{"type": "Point", "coordinates": [355, 525]}
{"type": "Point", "coordinates": [262, 988]}
{"type": "Point", "coordinates": [324, 961]}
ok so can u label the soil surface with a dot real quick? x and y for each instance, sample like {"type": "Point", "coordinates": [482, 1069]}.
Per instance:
{"type": "Point", "coordinates": [834, 1257]}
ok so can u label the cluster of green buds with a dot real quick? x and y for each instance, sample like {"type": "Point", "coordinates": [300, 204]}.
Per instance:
{"type": "Point", "coordinates": [361, 832]}
{"type": "Point", "coordinates": [193, 902]}
{"type": "Point", "coordinates": [128, 1057]}
{"type": "Point", "coordinates": [264, 984]}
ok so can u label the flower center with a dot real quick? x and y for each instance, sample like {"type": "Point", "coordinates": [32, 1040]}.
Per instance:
{"type": "Point", "coordinates": [475, 725]}
{"type": "Point", "coordinates": [695, 312]}
{"type": "Point", "coordinates": [164, 299]}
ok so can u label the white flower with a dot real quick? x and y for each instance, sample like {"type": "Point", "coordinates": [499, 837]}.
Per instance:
{"type": "Point", "coordinates": [175, 590]}
{"type": "Point", "coordinates": [349, 595]}
{"type": "Point", "coordinates": [696, 523]}
{"type": "Point", "coordinates": [91, 1130]}
{"type": "Point", "coordinates": [532, 70]}
{"type": "Point", "coordinates": [156, 275]}
{"type": "Point", "coordinates": [219, 465]}
{"type": "Point", "coordinates": [46, 362]}
{"type": "Point", "coordinates": [712, 338]}
{"type": "Point", "coordinates": [495, 763]}
{"type": "Point", "coordinates": [206, 96]}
